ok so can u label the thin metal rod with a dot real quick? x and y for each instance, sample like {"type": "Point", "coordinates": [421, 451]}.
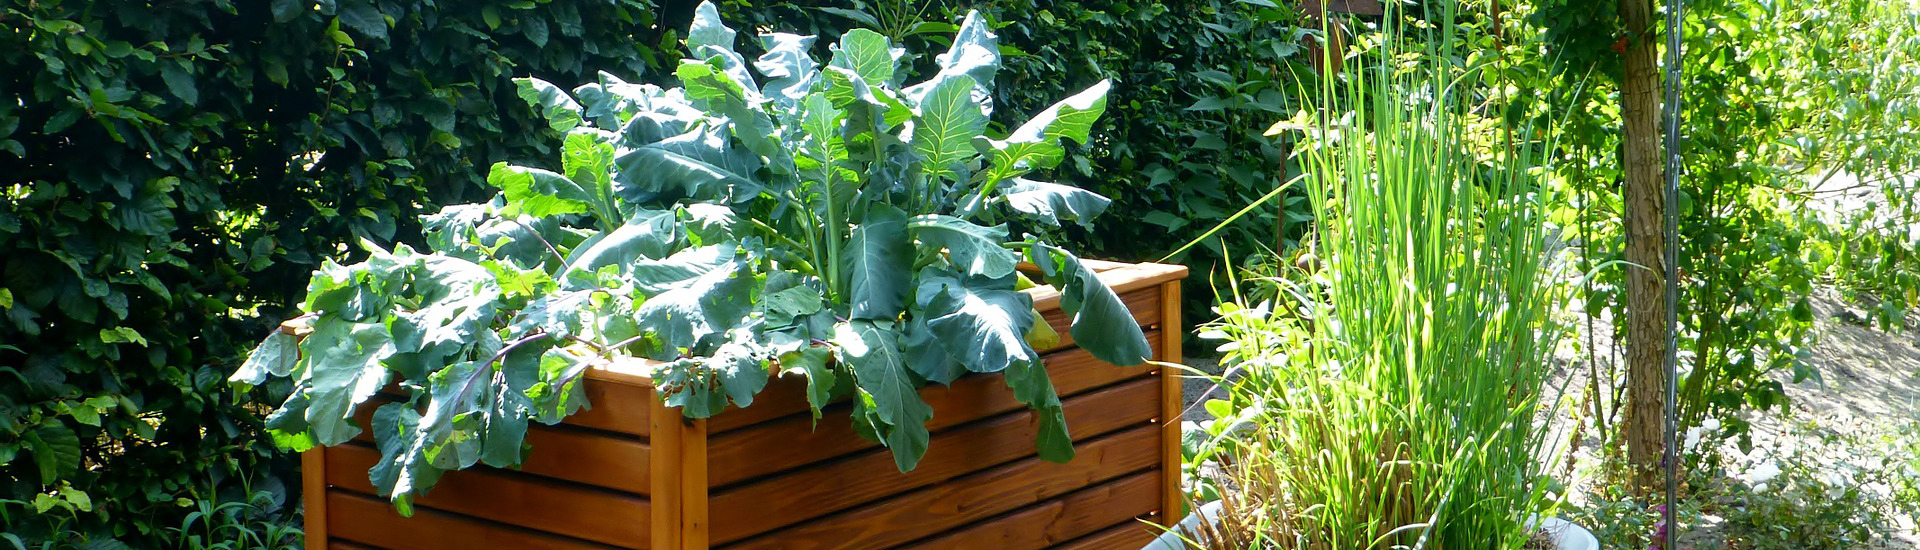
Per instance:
{"type": "Point", "coordinates": [1672, 108]}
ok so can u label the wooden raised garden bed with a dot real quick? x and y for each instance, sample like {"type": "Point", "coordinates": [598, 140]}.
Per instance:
{"type": "Point", "coordinates": [631, 473]}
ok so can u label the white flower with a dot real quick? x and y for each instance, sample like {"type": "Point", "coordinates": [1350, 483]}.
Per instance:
{"type": "Point", "coordinates": [1711, 424]}
{"type": "Point", "coordinates": [1761, 474]}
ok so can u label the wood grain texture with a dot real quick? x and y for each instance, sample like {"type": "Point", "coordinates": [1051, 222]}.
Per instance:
{"type": "Point", "coordinates": [821, 489]}
{"type": "Point", "coordinates": [371, 522]}
{"type": "Point", "coordinates": [1061, 520]}
{"type": "Point", "coordinates": [1127, 535]}
{"type": "Point", "coordinates": [797, 440]}
{"type": "Point", "coordinates": [313, 487]}
{"type": "Point", "coordinates": [505, 497]}
{"type": "Point", "coordinates": [615, 407]}
{"type": "Point", "coordinates": [679, 480]}
{"type": "Point", "coordinates": [970, 498]}
{"type": "Point", "coordinates": [1172, 502]}
{"type": "Point", "coordinates": [337, 544]}
{"type": "Point", "coordinates": [594, 457]}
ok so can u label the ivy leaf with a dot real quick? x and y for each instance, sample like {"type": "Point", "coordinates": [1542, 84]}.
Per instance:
{"type": "Point", "coordinates": [1035, 145]}
{"type": "Point", "coordinates": [562, 113]}
{"type": "Point", "coordinates": [872, 350]}
{"type": "Point", "coordinates": [879, 261]}
{"type": "Point", "coordinates": [344, 359]}
{"type": "Point", "coordinates": [868, 54]}
{"type": "Point", "coordinates": [56, 451]}
{"type": "Point", "coordinates": [1052, 202]}
{"type": "Point", "coordinates": [984, 329]}
{"type": "Point", "coordinates": [976, 249]}
{"type": "Point", "coordinates": [1101, 323]}
{"type": "Point", "coordinates": [949, 118]}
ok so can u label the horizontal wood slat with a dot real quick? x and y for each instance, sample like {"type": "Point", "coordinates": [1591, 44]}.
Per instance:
{"type": "Point", "coordinates": [797, 440]}
{"type": "Point", "coordinates": [370, 521]}
{"type": "Point", "coordinates": [1144, 303]}
{"type": "Point", "coordinates": [1062, 519]}
{"type": "Point", "coordinates": [614, 407]}
{"type": "Point", "coordinates": [807, 492]}
{"type": "Point", "coordinates": [600, 458]}
{"type": "Point", "coordinates": [968, 498]}
{"type": "Point", "coordinates": [1127, 535]}
{"type": "Point", "coordinates": [347, 545]}
{"type": "Point", "coordinates": [593, 514]}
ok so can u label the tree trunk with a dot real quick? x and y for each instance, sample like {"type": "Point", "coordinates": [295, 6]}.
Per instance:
{"type": "Point", "coordinates": [1646, 243]}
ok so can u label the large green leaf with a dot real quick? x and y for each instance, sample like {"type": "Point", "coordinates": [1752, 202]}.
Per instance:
{"type": "Point", "coordinates": [276, 355]}
{"type": "Point", "coordinates": [1050, 203]}
{"type": "Point", "coordinates": [648, 234]}
{"type": "Point", "coordinates": [926, 355]}
{"type": "Point", "coordinates": [700, 165]}
{"type": "Point", "coordinates": [872, 350]}
{"type": "Point", "coordinates": [538, 193]}
{"type": "Point", "coordinates": [587, 159]}
{"type": "Point", "coordinates": [56, 451]}
{"type": "Point", "coordinates": [879, 261]}
{"type": "Point", "coordinates": [695, 314]}
{"type": "Point", "coordinates": [400, 470]}
{"type": "Point", "coordinates": [984, 329]}
{"type": "Point", "coordinates": [1101, 323]}
{"type": "Point", "coordinates": [976, 250]}
{"type": "Point", "coordinates": [975, 54]}
{"type": "Point", "coordinates": [790, 69]}
{"type": "Point", "coordinates": [720, 92]}
{"type": "Point", "coordinates": [868, 54]}
{"type": "Point", "coordinates": [811, 362]}
{"type": "Point", "coordinates": [1036, 144]}
{"type": "Point", "coordinates": [949, 118]}
{"type": "Point", "coordinates": [456, 300]}
{"type": "Point", "coordinates": [343, 358]}
{"type": "Point", "coordinates": [552, 103]}
{"type": "Point", "coordinates": [682, 268]}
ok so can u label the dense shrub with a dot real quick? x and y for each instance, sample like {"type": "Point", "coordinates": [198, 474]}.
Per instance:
{"type": "Point", "coordinates": [173, 172]}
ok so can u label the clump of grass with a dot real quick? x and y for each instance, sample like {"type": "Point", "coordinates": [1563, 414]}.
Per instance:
{"type": "Point", "coordinates": [1397, 408]}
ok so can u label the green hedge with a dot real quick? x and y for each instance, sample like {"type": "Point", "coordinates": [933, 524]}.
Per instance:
{"type": "Point", "coordinates": [176, 171]}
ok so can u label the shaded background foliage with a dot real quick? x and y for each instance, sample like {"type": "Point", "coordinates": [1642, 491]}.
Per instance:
{"type": "Point", "coordinates": [174, 172]}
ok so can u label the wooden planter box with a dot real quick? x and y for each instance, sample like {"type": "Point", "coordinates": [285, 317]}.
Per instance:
{"type": "Point", "coordinates": [631, 473]}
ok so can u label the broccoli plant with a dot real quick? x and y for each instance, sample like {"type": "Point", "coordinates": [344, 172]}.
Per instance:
{"type": "Point", "coordinates": [822, 221]}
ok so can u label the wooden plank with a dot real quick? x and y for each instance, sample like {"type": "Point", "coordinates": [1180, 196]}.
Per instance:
{"type": "Point", "coordinates": [370, 521]}
{"type": "Point", "coordinates": [1121, 280]}
{"type": "Point", "coordinates": [1131, 534]}
{"type": "Point", "coordinates": [816, 490]}
{"type": "Point", "coordinates": [679, 478]}
{"type": "Point", "coordinates": [970, 498]}
{"type": "Point", "coordinates": [1063, 519]}
{"type": "Point", "coordinates": [505, 497]}
{"type": "Point", "coordinates": [313, 490]}
{"type": "Point", "coordinates": [796, 440]}
{"type": "Point", "coordinates": [1144, 303]}
{"type": "Point", "coordinates": [600, 458]}
{"type": "Point", "coordinates": [1172, 501]}
{"type": "Point", "coordinates": [615, 407]}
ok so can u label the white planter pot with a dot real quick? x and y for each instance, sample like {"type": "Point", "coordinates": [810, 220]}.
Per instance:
{"type": "Point", "coordinates": [1566, 535]}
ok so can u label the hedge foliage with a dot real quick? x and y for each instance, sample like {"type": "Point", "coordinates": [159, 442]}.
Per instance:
{"type": "Point", "coordinates": [176, 170]}
{"type": "Point", "coordinates": [173, 172]}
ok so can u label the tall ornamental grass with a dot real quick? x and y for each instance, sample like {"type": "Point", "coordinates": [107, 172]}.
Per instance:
{"type": "Point", "coordinates": [1393, 397]}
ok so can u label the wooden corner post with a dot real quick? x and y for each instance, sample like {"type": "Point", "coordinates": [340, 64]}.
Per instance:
{"type": "Point", "coordinates": [1172, 502]}
{"type": "Point", "coordinates": [678, 479]}
{"type": "Point", "coordinates": [313, 492]}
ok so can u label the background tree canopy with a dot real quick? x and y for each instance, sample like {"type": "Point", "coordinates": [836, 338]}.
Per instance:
{"type": "Point", "coordinates": [174, 172]}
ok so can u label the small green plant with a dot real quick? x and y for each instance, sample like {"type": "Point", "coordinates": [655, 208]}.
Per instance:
{"type": "Point", "coordinates": [1815, 488]}
{"type": "Point", "coordinates": [826, 222]}
{"type": "Point", "coordinates": [1390, 393]}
